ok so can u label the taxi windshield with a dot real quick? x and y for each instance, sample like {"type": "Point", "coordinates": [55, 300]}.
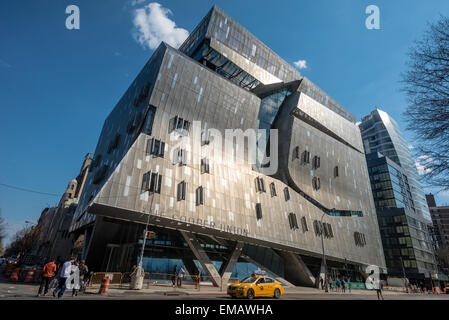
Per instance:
{"type": "Point", "coordinates": [248, 280]}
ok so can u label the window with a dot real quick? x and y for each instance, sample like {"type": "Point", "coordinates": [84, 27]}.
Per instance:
{"type": "Point", "coordinates": [286, 194]}
{"type": "Point", "coordinates": [269, 280]}
{"type": "Point", "coordinates": [151, 182]}
{"type": "Point", "coordinates": [273, 189]}
{"type": "Point", "coordinates": [181, 194]}
{"type": "Point", "coordinates": [199, 196]}
{"type": "Point", "coordinates": [260, 185]}
{"type": "Point", "coordinates": [155, 147]}
{"type": "Point", "coordinates": [179, 125]}
{"type": "Point", "coordinates": [336, 171]}
{"type": "Point", "coordinates": [131, 127]}
{"type": "Point", "coordinates": [316, 183]}
{"type": "Point", "coordinates": [96, 161]}
{"type": "Point", "coordinates": [258, 211]}
{"type": "Point", "coordinates": [101, 174]}
{"type": "Point", "coordinates": [205, 165]}
{"type": "Point", "coordinates": [296, 153]}
{"type": "Point", "coordinates": [142, 95]}
{"type": "Point", "coordinates": [359, 239]}
{"type": "Point", "coordinates": [304, 224]}
{"type": "Point", "coordinates": [318, 227]}
{"type": "Point", "coordinates": [205, 137]}
{"type": "Point", "coordinates": [329, 228]}
{"type": "Point", "coordinates": [322, 228]}
{"type": "Point", "coordinates": [114, 143]}
{"type": "Point", "coordinates": [306, 157]}
{"type": "Point", "coordinates": [292, 221]}
{"type": "Point", "coordinates": [316, 162]}
{"type": "Point", "coordinates": [180, 157]}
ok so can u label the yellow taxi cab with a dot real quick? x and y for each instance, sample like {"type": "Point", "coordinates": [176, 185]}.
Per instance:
{"type": "Point", "coordinates": [256, 286]}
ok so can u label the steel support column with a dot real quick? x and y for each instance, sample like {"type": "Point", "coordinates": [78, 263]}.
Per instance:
{"type": "Point", "coordinates": [202, 257]}
{"type": "Point", "coordinates": [226, 271]}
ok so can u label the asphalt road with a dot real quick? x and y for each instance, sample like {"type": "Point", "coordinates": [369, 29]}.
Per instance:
{"type": "Point", "coordinates": [23, 291]}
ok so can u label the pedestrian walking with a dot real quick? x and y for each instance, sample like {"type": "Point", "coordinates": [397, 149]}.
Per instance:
{"type": "Point", "coordinates": [377, 285]}
{"type": "Point", "coordinates": [343, 285]}
{"type": "Point", "coordinates": [180, 276]}
{"type": "Point", "coordinates": [84, 275]}
{"type": "Point", "coordinates": [73, 282]}
{"type": "Point", "coordinates": [329, 283]}
{"type": "Point", "coordinates": [173, 279]}
{"type": "Point", "coordinates": [64, 274]}
{"type": "Point", "coordinates": [198, 278]}
{"type": "Point", "coordinates": [48, 272]}
{"type": "Point", "coordinates": [338, 285]}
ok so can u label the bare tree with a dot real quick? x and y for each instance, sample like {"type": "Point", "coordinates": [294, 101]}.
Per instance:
{"type": "Point", "coordinates": [2, 233]}
{"type": "Point", "coordinates": [24, 241]}
{"type": "Point", "coordinates": [426, 84]}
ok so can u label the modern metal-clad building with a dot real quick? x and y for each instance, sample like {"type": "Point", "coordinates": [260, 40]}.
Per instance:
{"type": "Point", "coordinates": [163, 152]}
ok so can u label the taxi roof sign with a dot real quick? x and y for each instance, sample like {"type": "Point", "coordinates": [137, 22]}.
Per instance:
{"type": "Point", "coordinates": [259, 273]}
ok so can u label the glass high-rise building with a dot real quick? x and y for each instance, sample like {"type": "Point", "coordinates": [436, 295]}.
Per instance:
{"type": "Point", "coordinates": [381, 133]}
{"type": "Point", "coordinates": [403, 215]}
{"type": "Point", "coordinates": [407, 243]}
{"type": "Point", "coordinates": [229, 217]}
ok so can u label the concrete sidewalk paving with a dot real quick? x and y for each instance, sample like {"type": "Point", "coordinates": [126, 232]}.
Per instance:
{"type": "Point", "coordinates": [213, 291]}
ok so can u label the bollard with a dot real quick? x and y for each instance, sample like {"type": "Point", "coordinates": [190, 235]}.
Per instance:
{"type": "Point", "coordinates": [29, 276]}
{"type": "Point", "coordinates": [15, 275]}
{"type": "Point", "coordinates": [104, 286]}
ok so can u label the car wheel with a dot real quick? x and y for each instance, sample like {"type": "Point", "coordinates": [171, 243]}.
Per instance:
{"type": "Point", "coordinates": [250, 294]}
{"type": "Point", "coordinates": [277, 294]}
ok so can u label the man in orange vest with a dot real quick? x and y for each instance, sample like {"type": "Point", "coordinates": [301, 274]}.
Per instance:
{"type": "Point", "coordinates": [48, 272]}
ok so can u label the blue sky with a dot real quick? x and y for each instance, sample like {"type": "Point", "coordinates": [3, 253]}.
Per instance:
{"type": "Point", "coordinates": [57, 85]}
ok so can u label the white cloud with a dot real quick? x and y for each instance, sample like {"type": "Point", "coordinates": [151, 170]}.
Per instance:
{"type": "Point", "coordinates": [152, 26]}
{"type": "Point", "coordinates": [421, 164]}
{"type": "Point", "coordinates": [300, 64]}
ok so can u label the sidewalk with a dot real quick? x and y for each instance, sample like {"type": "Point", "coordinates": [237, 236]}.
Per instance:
{"type": "Point", "coordinates": [214, 291]}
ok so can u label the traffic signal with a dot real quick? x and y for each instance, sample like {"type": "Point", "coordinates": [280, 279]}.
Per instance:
{"type": "Point", "coordinates": [150, 235]}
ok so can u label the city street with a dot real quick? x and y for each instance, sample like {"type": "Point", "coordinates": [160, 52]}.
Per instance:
{"type": "Point", "coordinates": [22, 291]}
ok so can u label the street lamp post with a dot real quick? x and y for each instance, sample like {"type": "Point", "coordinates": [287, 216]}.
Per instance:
{"type": "Point", "coordinates": [139, 271]}
{"type": "Point", "coordinates": [324, 254]}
